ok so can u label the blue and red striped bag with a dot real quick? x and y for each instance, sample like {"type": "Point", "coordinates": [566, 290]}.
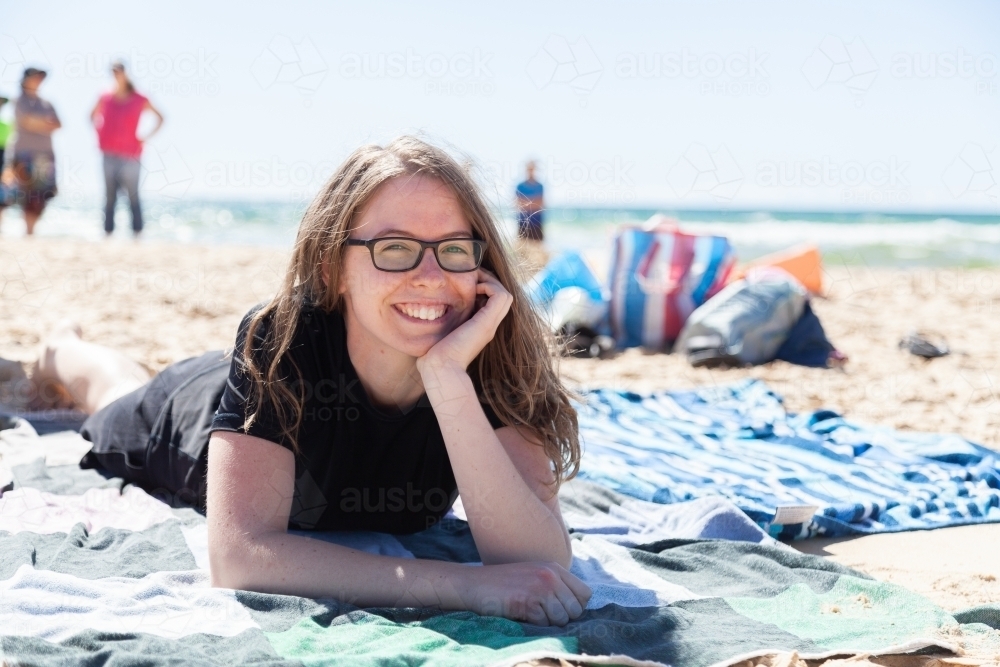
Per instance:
{"type": "Point", "coordinates": [659, 275]}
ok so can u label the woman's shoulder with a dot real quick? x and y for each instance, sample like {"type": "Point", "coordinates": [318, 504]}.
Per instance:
{"type": "Point", "coordinates": [248, 318]}
{"type": "Point", "coordinates": [311, 324]}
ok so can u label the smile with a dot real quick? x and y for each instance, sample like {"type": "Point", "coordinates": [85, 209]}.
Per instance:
{"type": "Point", "coordinates": [422, 311]}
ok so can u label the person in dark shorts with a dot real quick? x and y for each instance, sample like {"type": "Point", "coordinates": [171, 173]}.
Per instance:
{"type": "Point", "coordinates": [33, 161]}
{"type": "Point", "coordinates": [399, 365]}
{"type": "Point", "coordinates": [530, 205]}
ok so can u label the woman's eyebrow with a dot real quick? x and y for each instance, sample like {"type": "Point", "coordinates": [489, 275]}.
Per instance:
{"type": "Point", "coordinates": [400, 232]}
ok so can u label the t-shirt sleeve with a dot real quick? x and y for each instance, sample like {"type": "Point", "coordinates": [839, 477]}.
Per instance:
{"type": "Point", "coordinates": [234, 405]}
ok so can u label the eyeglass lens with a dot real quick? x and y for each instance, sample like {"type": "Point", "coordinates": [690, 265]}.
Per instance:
{"type": "Point", "coordinates": [404, 254]}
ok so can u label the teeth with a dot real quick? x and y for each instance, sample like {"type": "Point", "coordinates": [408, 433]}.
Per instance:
{"type": "Point", "coordinates": [423, 312]}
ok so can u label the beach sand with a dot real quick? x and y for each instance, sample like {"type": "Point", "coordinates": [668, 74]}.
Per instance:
{"type": "Point", "coordinates": [159, 303]}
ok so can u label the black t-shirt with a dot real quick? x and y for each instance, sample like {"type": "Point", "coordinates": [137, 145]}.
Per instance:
{"type": "Point", "coordinates": [357, 468]}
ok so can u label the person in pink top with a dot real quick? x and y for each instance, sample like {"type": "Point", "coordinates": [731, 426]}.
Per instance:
{"type": "Point", "coordinates": [116, 117]}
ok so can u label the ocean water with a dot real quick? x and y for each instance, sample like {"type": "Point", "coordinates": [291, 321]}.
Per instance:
{"type": "Point", "coordinates": [851, 238]}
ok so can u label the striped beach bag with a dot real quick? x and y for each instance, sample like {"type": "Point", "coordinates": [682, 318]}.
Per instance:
{"type": "Point", "coordinates": [659, 275]}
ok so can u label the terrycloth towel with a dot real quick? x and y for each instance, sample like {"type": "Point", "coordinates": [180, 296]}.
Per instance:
{"type": "Point", "coordinates": [592, 509]}
{"type": "Point", "coordinates": [22, 444]}
{"type": "Point", "coordinates": [796, 476]}
{"type": "Point", "coordinates": [40, 512]}
{"type": "Point", "coordinates": [140, 595]}
{"type": "Point", "coordinates": [615, 579]}
{"type": "Point", "coordinates": [54, 606]}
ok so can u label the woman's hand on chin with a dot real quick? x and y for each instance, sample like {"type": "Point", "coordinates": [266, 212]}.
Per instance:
{"type": "Point", "coordinates": [537, 593]}
{"type": "Point", "coordinates": [460, 347]}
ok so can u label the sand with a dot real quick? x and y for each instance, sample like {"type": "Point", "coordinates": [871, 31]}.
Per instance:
{"type": "Point", "coordinates": [956, 567]}
{"type": "Point", "coordinates": [159, 303]}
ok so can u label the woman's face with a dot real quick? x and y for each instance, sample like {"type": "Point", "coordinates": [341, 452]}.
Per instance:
{"type": "Point", "coordinates": [412, 310]}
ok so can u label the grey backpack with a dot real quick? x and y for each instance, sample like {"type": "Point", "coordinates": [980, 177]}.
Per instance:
{"type": "Point", "coordinates": [745, 323]}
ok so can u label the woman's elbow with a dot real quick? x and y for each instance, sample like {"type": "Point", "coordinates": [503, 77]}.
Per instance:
{"type": "Point", "coordinates": [228, 566]}
{"type": "Point", "coordinates": [224, 573]}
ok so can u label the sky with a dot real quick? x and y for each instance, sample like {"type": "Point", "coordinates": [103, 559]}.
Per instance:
{"type": "Point", "coordinates": [888, 106]}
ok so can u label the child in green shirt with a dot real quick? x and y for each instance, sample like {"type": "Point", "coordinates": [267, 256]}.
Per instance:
{"type": "Point", "coordinates": [5, 131]}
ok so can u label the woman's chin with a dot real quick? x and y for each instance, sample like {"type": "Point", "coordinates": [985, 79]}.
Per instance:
{"type": "Point", "coordinates": [417, 346]}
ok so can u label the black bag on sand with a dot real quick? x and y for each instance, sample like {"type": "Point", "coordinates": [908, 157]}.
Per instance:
{"type": "Point", "coordinates": [156, 437]}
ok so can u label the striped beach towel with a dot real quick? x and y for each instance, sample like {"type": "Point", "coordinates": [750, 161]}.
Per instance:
{"type": "Point", "coordinates": [94, 572]}
{"type": "Point", "coordinates": [797, 476]}
{"type": "Point", "coordinates": [659, 275]}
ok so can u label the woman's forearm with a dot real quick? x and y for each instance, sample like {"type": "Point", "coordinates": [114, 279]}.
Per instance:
{"type": "Point", "coordinates": [509, 522]}
{"type": "Point", "coordinates": [281, 563]}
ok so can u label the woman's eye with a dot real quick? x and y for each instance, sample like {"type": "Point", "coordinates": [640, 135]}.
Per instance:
{"type": "Point", "coordinates": [455, 250]}
{"type": "Point", "coordinates": [395, 246]}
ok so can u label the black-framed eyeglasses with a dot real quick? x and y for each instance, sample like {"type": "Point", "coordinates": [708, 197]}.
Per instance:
{"type": "Point", "coordinates": [400, 253]}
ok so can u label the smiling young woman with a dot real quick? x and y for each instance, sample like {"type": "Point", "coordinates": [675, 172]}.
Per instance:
{"type": "Point", "coordinates": [399, 366]}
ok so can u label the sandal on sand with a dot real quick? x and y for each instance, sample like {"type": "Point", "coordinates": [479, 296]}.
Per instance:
{"type": "Point", "coordinates": [917, 343]}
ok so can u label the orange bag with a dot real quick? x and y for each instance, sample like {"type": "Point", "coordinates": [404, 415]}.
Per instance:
{"type": "Point", "coordinates": [802, 261]}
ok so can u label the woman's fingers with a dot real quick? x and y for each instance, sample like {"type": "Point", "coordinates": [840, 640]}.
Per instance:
{"type": "Point", "coordinates": [559, 601]}
{"type": "Point", "coordinates": [555, 611]}
{"type": "Point", "coordinates": [490, 286]}
{"type": "Point", "coordinates": [498, 299]}
{"type": "Point", "coordinates": [536, 615]}
{"type": "Point", "coordinates": [488, 279]}
{"type": "Point", "coordinates": [569, 601]}
{"type": "Point", "coordinates": [580, 590]}
{"type": "Point", "coordinates": [538, 593]}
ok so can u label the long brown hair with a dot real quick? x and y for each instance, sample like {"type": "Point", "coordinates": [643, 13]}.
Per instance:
{"type": "Point", "coordinates": [513, 374]}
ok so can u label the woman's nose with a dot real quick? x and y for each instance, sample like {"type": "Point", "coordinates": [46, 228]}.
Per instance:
{"type": "Point", "coordinates": [428, 270]}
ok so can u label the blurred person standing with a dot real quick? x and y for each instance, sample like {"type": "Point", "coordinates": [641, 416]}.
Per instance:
{"type": "Point", "coordinates": [530, 205]}
{"type": "Point", "coordinates": [33, 163]}
{"type": "Point", "coordinates": [5, 130]}
{"type": "Point", "coordinates": [116, 118]}
{"type": "Point", "coordinates": [6, 175]}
